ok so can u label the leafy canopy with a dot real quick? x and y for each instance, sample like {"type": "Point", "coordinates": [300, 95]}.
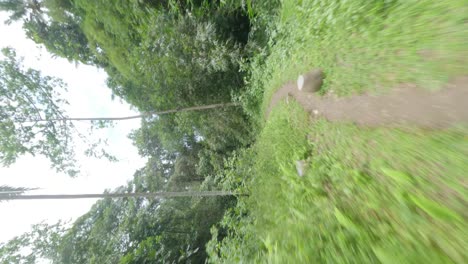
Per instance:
{"type": "Point", "coordinates": [28, 103]}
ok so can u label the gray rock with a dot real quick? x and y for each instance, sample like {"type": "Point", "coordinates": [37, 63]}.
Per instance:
{"type": "Point", "coordinates": [310, 82]}
{"type": "Point", "coordinates": [301, 166]}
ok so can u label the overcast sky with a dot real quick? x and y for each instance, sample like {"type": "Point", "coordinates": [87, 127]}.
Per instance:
{"type": "Point", "coordinates": [88, 96]}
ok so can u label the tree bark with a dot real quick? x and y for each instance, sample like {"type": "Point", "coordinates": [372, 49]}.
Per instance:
{"type": "Point", "coordinates": [193, 108]}
{"type": "Point", "coordinates": [118, 195]}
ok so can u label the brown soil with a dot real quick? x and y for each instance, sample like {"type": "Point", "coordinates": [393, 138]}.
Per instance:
{"type": "Point", "coordinates": [403, 106]}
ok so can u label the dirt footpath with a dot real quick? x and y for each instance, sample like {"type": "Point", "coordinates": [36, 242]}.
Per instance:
{"type": "Point", "coordinates": [402, 106]}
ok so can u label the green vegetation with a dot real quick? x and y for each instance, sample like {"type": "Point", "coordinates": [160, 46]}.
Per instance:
{"type": "Point", "coordinates": [368, 195]}
{"type": "Point", "coordinates": [27, 99]}
{"type": "Point", "coordinates": [364, 45]}
{"type": "Point", "coordinates": [158, 56]}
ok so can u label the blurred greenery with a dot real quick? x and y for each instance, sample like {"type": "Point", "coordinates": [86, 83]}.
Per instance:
{"type": "Point", "coordinates": [378, 195]}
{"type": "Point", "coordinates": [369, 195]}
{"type": "Point", "coordinates": [362, 46]}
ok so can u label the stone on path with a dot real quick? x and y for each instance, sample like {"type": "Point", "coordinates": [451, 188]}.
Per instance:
{"type": "Point", "coordinates": [311, 81]}
{"type": "Point", "coordinates": [301, 167]}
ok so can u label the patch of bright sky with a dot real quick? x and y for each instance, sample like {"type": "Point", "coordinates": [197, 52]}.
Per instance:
{"type": "Point", "coordinates": [88, 96]}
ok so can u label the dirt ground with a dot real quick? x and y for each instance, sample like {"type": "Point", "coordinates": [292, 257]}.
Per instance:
{"type": "Point", "coordinates": [406, 105]}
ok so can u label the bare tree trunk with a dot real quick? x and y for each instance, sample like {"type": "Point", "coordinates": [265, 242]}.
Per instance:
{"type": "Point", "coordinates": [119, 195]}
{"type": "Point", "coordinates": [194, 108]}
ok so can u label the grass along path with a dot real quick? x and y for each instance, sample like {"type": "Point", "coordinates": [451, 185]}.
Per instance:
{"type": "Point", "coordinates": [369, 194]}
{"type": "Point", "coordinates": [366, 46]}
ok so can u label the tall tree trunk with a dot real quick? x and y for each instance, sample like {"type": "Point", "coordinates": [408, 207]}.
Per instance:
{"type": "Point", "coordinates": [118, 195]}
{"type": "Point", "coordinates": [193, 108]}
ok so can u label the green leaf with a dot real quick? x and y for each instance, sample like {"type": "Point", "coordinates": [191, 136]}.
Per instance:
{"type": "Point", "coordinates": [345, 221]}
{"type": "Point", "coordinates": [398, 176]}
{"type": "Point", "coordinates": [434, 209]}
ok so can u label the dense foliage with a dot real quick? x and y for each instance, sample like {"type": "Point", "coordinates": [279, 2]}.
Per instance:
{"type": "Point", "coordinates": [158, 55]}
{"type": "Point", "coordinates": [368, 195]}
{"type": "Point", "coordinates": [32, 119]}
{"type": "Point", "coordinates": [132, 230]}
{"type": "Point", "coordinates": [27, 101]}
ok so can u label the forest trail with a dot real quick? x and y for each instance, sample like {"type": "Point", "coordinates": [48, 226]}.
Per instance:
{"type": "Point", "coordinates": [402, 106]}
